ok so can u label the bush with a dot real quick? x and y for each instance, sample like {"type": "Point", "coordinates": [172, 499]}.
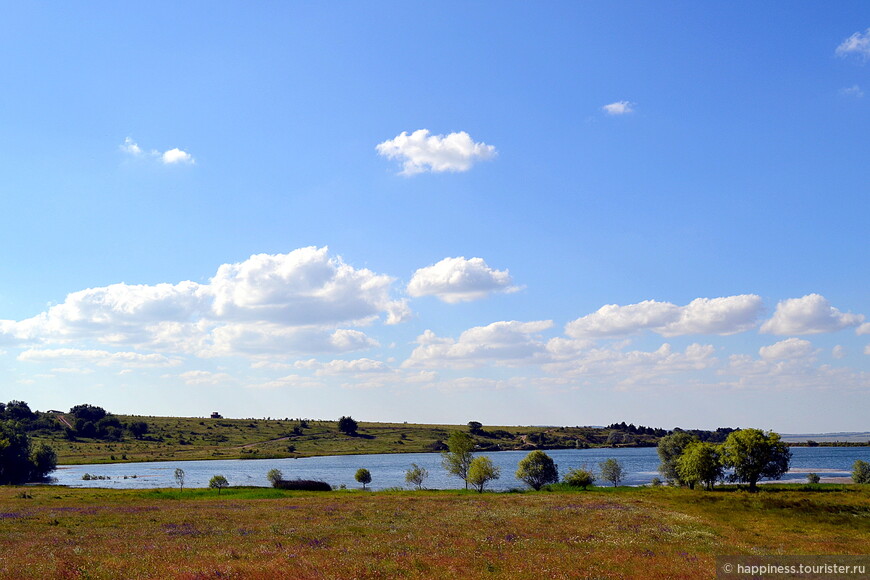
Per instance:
{"type": "Point", "coordinates": [579, 478]}
{"type": "Point", "coordinates": [416, 475]}
{"type": "Point", "coordinates": [274, 476]}
{"type": "Point", "coordinates": [861, 472]}
{"type": "Point", "coordinates": [612, 471]}
{"type": "Point", "coordinates": [813, 478]}
{"type": "Point", "coordinates": [302, 485]}
{"type": "Point", "coordinates": [537, 469]}
{"type": "Point", "coordinates": [363, 476]}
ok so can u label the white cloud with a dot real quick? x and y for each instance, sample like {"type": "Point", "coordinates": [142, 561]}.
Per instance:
{"type": "Point", "coordinates": [619, 108]}
{"type": "Point", "coordinates": [340, 367]}
{"type": "Point", "coordinates": [863, 329]}
{"type": "Point", "coordinates": [176, 156]}
{"type": "Point", "coordinates": [726, 315]}
{"type": "Point", "coordinates": [204, 378]}
{"type": "Point", "coordinates": [857, 44]}
{"type": "Point", "coordinates": [509, 343]}
{"type": "Point", "coordinates": [168, 157]}
{"type": "Point", "coordinates": [812, 314]}
{"type": "Point", "coordinates": [99, 357]}
{"type": "Point", "coordinates": [634, 368]}
{"type": "Point", "coordinates": [268, 305]}
{"type": "Point", "coordinates": [788, 349]}
{"type": "Point", "coordinates": [459, 280]}
{"type": "Point", "coordinates": [421, 152]}
{"type": "Point", "coordinates": [867, 349]}
{"type": "Point", "coordinates": [853, 91]}
{"type": "Point", "coordinates": [838, 352]}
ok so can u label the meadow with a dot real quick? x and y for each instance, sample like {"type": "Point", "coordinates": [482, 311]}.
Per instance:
{"type": "Point", "coordinates": [51, 532]}
{"type": "Point", "coordinates": [188, 438]}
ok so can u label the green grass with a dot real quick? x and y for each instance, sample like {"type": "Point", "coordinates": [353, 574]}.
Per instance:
{"type": "Point", "coordinates": [180, 438]}
{"type": "Point", "coordinates": [51, 532]}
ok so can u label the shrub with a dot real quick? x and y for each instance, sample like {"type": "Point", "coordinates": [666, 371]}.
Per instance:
{"type": "Point", "coordinates": [363, 476]}
{"type": "Point", "coordinates": [416, 475]}
{"type": "Point", "coordinates": [612, 471]}
{"type": "Point", "coordinates": [302, 485]}
{"type": "Point", "coordinates": [481, 471]}
{"type": "Point", "coordinates": [537, 469]}
{"type": "Point", "coordinates": [861, 472]}
{"type": "Point", "coordinates": [218, 482]}
{"type": "Point", "coordinates": [274, 476]}
{"type": "Point", "coordinates": [347, 425]}
{"type": "Point", "coordinates": [813, 478]}
{"type": "Point", "coordinates": [579, 478]}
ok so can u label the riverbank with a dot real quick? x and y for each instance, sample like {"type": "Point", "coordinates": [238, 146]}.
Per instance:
{"type": "Point", "coordinates": [50, 532]}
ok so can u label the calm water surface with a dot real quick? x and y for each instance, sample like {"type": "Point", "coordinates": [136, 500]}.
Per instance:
{"type": "Point", "coordinates": [641, 465]}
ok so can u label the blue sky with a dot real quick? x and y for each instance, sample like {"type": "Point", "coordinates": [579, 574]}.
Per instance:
{"type": "Point", "coordinates": [559, 213]}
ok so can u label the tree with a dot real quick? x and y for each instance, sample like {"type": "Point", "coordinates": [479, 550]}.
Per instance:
{"type": "Point", "coordinates": [670, 448]}
{"type": "Point", "coordinates": [700, 463]}
{"type": "Point", "coordinates": [138, 428]}
{"type": "Point", "coordinates": [18, 411]}
{"type": "Point", "coordinates": [347, 426]}
{"type": "Point", "coordinates": [19, 461]}
{"type": "Point", "coordinates": [861, 471]}
{"type": "Point", "coordinates": [813, 478]}
{"type": "Point", "coordinates": [179, 478]}
{"type": "Point", "coordinates": [363, 476]}
{"type": "Point", "coordinates": [579, 478]}
{"type": "Point", "coordinates": [612, 471]}
{"type": "Point", "coordinates": [475, 427]}
{"type": "Point", "coordinates": [218, 482]}
{"type": "Point", "coordinates": [274, 476]}
{"type": "Point", "coordinates": [457, 459]}
{"type": "Point", "coordinates": [87, 412]}
{"type": "Point", "coordinates": [537, 469]}
{"type": "Point", "coordinates": [754, 455]}
{"type": "Point", "coordinates": [481, 471]}
{"type": "Point", "coordinates": [416, 475]}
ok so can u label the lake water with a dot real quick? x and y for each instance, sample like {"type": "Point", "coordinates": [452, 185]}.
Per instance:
{"type": "Point", "coordinates": [641, 465]}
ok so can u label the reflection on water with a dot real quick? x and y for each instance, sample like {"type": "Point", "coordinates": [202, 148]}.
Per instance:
{"type": "Point", "coordinates": [389, 470]}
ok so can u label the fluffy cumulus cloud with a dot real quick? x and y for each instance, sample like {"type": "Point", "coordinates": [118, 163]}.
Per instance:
{"type": "Point", "coordinates": [789, 348]}
{"type": "Point", "coordinates": [863, 329]}
{"type": "Point", "coordinates": [812, 314]}
{"type": "Point", "coordinates": [174, 156]}
{"type": "Point", "coordinates": [619, 108]}
{"type": "Point", "coordinates": [508, 343]}
{"type": "Point", "coordinates": [420, 152]}
{"type": "Point", "coordinates": [459, 280]}
{"type": "Point", "coordinates": [858, 44]}
{"type": "Point", "coordinates": [723, 316]}
{"type": "Point", "coordinates": [268, 305]}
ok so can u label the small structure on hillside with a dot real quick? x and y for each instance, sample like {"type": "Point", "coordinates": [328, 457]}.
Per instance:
{"type": "Point", "coordinates": [216, 415]}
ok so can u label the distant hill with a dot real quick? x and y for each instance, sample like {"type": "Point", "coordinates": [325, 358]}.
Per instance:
{"type": "Point", "coordinates": [842, 437]}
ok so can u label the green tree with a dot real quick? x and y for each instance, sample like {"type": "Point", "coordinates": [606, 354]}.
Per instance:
{"type": "Point", "coordinates": [537, 469]}
{"type": "Point", "coordinates": [612, 471]}
{"type": "Point", "coordinates": [481, 471]}
{"type": "Point", "coordinates": [179, 478]}
{"type": "Point", "coordinates": [19, 461]}
{"type": "Point", "coordinates": [861, 471]}
{"type": "Point", "coordinates": [416, 475]}
{"type": "Point", "coordinates": [754, 455]}
{"type": "Point", "coordinates": [274, 476]}
{"type": "Point", "coordinates": [218, 482]}
{"type": "Point", "coordinates": [475, 427]}
{"type": "Point", "coordinates": [347, 425]}
{"type": "Point", "coordinates": [363, 476]}
{"type": "Point", "coordinates": [670, 448]}
{"type": "Point", "coordinates": [700, 463]}
{"type": "Point", "coordinates": [813, 478]}
{"type": "Point", "coordinates": [458, 457]}
{"type": "Point", "coordinates": [579, 478]}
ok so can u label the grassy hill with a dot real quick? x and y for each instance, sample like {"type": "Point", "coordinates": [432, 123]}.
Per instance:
{"type": "Point", "coordinates": [178, 438]}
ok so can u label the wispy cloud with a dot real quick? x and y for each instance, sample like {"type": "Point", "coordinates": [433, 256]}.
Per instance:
{"type": "Point", "coordinates": [853, 91]}
{"type": "Point", "coordinates": [173, 156]}
{"type": "Point", "coordinates": [619, 108]}
{"type": "Point", "coordinates": [858, 44]}
{"type": "Point", "coordinates": [420, 152]}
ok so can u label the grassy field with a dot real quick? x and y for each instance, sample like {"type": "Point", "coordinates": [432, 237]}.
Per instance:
{"type": "Point", "coordinates": [49, 532]}
{"type": "Point", "coordinates": [179, 438]}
